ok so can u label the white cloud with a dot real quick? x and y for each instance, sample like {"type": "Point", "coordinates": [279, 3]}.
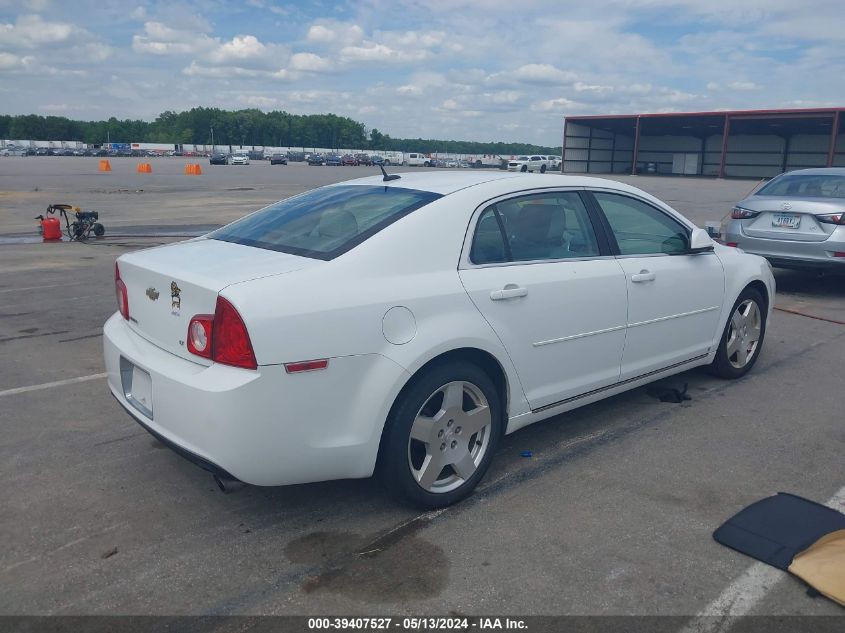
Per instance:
{"type": "Point", "coordinates": [335, 33]}
{"type": "Point", "coordinates": [161, 39]}
{"type": "Point", "coordinates": [240, 48]}
{"type": "Point", "coordinates": [743, 85]}
{"type": "Point", "coordinates": [7, 60]}
{"type": "Point", "coordinates": [31, 31]}
{"type": "Point", "coordinates": [561, 104]}
{"type": "Point", "coordinates": [539, 74]}
{"type": "Point", "coordinates": [310, 62]}
{"type": "Point", "coordinates": [372, 52]}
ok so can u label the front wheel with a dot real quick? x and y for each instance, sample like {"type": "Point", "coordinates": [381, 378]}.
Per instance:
{"type": "Point", "coordinates": [542, 169]}
{"type": "Point", "coordinates": [441, 436]}
{"type": "Point", "coordinates": [743, 336]}
{"type": "Point", "coordinates": [99, 230]}
{"type": "Point", "coordinates": [524, 169]}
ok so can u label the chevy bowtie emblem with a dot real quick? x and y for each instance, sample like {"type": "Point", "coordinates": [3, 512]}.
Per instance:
{"type": "Point", "coordinates": [152, 293]}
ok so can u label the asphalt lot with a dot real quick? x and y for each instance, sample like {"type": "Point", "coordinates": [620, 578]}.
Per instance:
{"type": "Point", "coordinates": [612, 514]}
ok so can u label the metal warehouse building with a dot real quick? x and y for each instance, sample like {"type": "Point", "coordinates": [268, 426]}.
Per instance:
{"type": "Point", "coordinates": [742, 143]}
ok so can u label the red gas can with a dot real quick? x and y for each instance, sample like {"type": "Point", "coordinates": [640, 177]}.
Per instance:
{"type": "Point", "coordinates": [52, 229]}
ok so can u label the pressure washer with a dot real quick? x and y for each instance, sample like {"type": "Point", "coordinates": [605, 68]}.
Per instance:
{"type": "Point", "coordinates": [84, 224]}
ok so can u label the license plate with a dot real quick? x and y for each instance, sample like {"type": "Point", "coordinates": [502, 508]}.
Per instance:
{"type": "Point", "coordinates": [786, 220]}
{"type": "Point", "coordinates": [139, 391]}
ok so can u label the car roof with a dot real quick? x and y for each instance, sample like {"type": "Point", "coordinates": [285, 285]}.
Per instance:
{"type": "Point", "coordinates": [452, 181]}
{"type": "Point", "coordinates": [817, 171]}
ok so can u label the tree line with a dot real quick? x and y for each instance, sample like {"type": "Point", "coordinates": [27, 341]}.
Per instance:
{"type": "Point", "coordinates": [251, 127]}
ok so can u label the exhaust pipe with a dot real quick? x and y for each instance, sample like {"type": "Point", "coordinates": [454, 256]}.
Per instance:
{"type": "Point", "coordinates": [228, 485]}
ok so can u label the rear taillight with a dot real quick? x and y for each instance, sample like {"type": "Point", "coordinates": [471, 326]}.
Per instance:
{"type": "Point", "coordinates": [199, 335]}
{"type": "Point", "coordinates": [120, 293]}
{"type": "Point", "coordinates": [738, 213]}
{"type": "Point", "coordinates": [222, 337]}
{"type": "Point", "coordinates": [833, 218]}
{"type": "Point", "coordinates": [731, 244]}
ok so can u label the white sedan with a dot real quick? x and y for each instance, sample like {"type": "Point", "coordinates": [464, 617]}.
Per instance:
{"type": "Point", "coordinates": [401, 326]}
{"type": "Point", "coordinates": [239, 159]}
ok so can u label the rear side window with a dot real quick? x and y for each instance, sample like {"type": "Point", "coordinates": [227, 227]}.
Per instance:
{"type": "Point", "coordinates": [325, 222]}
{"type": "Point", "coordinates": [641, 229]}
{"type": "Point", "coordinates": [541, 226]}
{"type": "Point", "coordinates": [806, 186]}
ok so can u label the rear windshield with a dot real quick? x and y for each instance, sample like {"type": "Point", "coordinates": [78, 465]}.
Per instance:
{"type": "Point", "coordinates": [806, 186]}
{"type": "Point", "coordinates": [325, 222]}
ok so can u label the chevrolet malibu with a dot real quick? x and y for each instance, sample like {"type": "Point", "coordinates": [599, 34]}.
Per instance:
{"type": "Point", "coordinates": [401, 326]}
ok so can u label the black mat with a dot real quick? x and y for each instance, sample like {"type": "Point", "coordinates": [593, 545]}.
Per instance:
{"type": "Point", "coordinates": [777, 528]}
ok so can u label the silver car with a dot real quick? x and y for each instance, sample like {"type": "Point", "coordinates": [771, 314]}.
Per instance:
{"type": "Point", "coordinates": [796, 220]}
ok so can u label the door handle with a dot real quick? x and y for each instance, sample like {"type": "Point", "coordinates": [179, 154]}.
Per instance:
{"type": "Point", "coordinates": [642, 276]}
{"type": "Point", "coordinates": [510, 291]}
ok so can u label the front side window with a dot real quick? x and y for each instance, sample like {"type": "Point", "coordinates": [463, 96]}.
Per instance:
{"type": "Point", "coordinates": [805, 186]}
{"type": "Point", "coordinates": [536, 227]}
{"type": "Point", "coordinates": [640, 228]}
{"type": "Point", "coordinates": [325, 222]}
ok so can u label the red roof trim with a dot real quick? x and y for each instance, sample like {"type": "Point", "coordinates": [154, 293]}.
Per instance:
{"type": "Point", "coordinates": [715, 113]}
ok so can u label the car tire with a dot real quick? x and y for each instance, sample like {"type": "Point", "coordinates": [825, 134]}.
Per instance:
{"type": "Point", "coordinates": [524, 169]}
{"type": "Point", "coordinates": [422, 428]}
{"type": "Point", "coordinates": [742, 338]}
{"type": "Point", "coordinates": [99, 230]}
{"type": "Point", "coordinates": [542, 169]}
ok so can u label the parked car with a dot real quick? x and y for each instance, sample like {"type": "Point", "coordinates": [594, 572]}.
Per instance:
{"type": "Point", "coordinates": [796, 220]}
{"type": "Point", "coordinates": [333, 160]}
{"type": "Point", "coordinates": [349, 160]}
{"type": "Point", "coordinates": [307, 341]}
{"type": "Point", "coordinates": [364, 159]}
{"type": "Point", "coordinates": [379, 160]}
{"type": "Point", "coordinates": [278, 159]}
{"type": "Point", "coordinates": [42, 151]}
{"type": "Point", "coordinates": [239, 159]}
{"type": "Point", "coordinates": [534, 163]}
{"type": "Point", "coordinates": [316, 159]}
{"type": "Point", "coordinates": [296, 157]}
{"type": "Point", "coordinates": [218, 158]}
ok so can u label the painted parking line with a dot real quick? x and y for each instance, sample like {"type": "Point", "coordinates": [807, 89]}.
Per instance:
{"type": "Point", "coordinates": [744, 593]}
{"type": "Point", "coordinates": [50, 385]}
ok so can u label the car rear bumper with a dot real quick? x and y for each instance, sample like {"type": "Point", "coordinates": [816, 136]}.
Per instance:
{"type": "Point", "coordinates": [789, 253]}
{"type": "Point", "coordinates": [262, 427]}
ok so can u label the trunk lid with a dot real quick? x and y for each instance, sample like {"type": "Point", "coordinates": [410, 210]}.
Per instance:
{"type": "Point", "coordinates": [789, 218]}
{"type": "Point", "coordinates": [168, 285]}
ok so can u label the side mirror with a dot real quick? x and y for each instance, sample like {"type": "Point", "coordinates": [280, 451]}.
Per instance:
{"type": "Point", "coordinates": [700, 241]}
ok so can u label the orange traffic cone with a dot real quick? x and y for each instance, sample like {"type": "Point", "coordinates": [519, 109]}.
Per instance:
{"type": "Point", "coordinates": [105, 166]}
{"type": "Point", "coordinates": [145, 168]}
{"type": "Point", "coordinates": [193, 169]}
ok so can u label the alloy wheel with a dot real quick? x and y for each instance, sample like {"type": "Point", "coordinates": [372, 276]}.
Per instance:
{"type": "Point", "coordinates": [744, 333]}
{"type": "Point", "coordinates": [450, 436]}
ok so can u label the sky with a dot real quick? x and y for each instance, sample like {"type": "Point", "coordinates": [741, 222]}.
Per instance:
{"type": "Point", "coordinates": [481, 70]}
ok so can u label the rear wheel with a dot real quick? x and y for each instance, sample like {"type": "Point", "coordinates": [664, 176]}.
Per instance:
{"type": "Point", "coordinates": [441, 436]}
{"type": "Point", "coordinates": [542, 169]}
{"type": "Point", "coordinates": [743, 336]}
